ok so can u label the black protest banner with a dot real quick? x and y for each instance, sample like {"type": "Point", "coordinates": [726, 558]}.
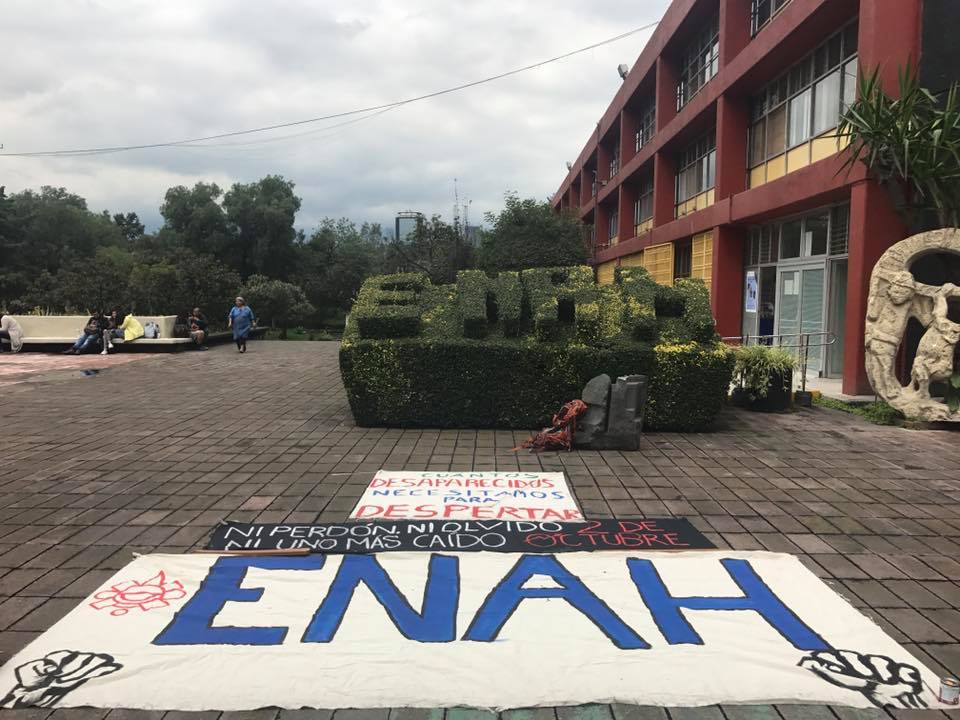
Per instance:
{"type": "Point", "coordinates": [463, 535]}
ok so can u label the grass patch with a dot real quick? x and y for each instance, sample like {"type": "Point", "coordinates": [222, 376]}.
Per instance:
{"type": "Point", "coordinates": [878, 413]}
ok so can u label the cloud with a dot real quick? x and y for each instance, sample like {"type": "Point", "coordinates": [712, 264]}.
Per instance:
{"type": "Point", "coordinates": [94, 73]}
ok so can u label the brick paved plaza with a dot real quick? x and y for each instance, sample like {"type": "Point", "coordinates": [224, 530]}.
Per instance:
{"type": "Point", "coordinates": [88, 478]}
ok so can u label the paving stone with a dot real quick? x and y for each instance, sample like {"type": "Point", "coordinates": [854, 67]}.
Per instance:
{"type": "Point", "coordinates": [750, 712]}
{"type": "Point", "coordinates": [437, 714]}
{"type": "Point", "coordinates": [371, 714]}
{"type": "Point", "coordinates": [124, 714]}
{"type": "Point", "coordinates": [709, 712]}
{"type": "Point", "coordinates": [639, 712]}
{"type": "Point", "coordinates": [306, 714]}
{"type": "Point", "coordinates": [805, 712]}
{"type": "Point", "coordinates": [868, 509]}
{"type": "Point", "coordinates": [582, 712]}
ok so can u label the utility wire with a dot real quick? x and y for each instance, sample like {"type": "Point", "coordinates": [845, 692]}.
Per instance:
{"type": "Point", "coordinates": [384, 106]}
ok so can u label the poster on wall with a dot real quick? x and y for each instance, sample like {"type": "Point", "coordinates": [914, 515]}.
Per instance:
{"type": "Point", "coordinates": [403, 495]}
{"type": "Point", "coordinates": [752, 292]}
{"type": "Point", "coordinates": [502, 630]}
{"type": "Point", "coordinates": [464, 535]}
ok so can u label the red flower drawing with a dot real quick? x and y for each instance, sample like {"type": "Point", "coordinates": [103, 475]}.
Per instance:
{"type": "Point", "coordinates": [157, 592]}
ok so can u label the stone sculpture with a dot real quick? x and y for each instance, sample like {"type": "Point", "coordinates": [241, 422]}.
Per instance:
{"type": "Point", "coordinates": [895, 297]}
{"type": "Point", "coordinates": [614, 416]}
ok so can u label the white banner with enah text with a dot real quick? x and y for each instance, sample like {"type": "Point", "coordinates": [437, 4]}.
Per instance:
{"type": "Point", "coordinates": [409, 495]}
{"type": "Point", "coordinates": [498, 630]}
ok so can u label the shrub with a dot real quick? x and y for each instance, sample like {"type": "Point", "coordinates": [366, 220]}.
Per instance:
{"type": "Point", "coordinates": [758, 366]}
{"type": "Point", "coordinates": [508, 351]}
{"type": "Point", "coordinates": [485, 301]}
{"type": "Point", "coordinates": [388, 306]}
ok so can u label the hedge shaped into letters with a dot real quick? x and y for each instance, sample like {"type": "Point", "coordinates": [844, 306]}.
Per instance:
{"type": "Point", "coordinates": [507, 351]}
{"type": "Point", "coordinates": [388, 306]}
{"type": "Point", "coordinates": [485, 301]}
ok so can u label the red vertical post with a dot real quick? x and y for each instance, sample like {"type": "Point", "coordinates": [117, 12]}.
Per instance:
{"type": "Point", "coordinates": [734, 29]}
{"type": "Point", "coordinates": [889, 37]}
{"type": "Point", "coordinates": [874, 227]}
{"type": "Point", "coordinates": [667, 78]}
{"type": "Point", "coordinates": [732, 122]}
{"type": "Point", "coordinates": [726, 291]}
{"type": "Point", "coordinates": [664, 188]}
{"type": "Point", "coordinates": [603, 162]}
{"type": "Point", "coordinates": [602, 215]}
{"type": "Point", "coordinates": [628, 196]}
{"type": "Point", "coordinates": [628, 132]}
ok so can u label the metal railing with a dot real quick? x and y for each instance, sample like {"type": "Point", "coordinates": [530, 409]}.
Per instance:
{"type": "Point", "coordinates": [802, 345]}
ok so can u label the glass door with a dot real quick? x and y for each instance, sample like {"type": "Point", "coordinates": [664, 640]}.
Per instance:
{"type": "Point", "coordinates": [800, 310]}
{"type": "Point", "coordinates": [837, 310]}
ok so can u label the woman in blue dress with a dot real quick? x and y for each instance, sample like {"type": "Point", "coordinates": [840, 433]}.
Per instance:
{"type": "Point", "coordinates": [240, 321]}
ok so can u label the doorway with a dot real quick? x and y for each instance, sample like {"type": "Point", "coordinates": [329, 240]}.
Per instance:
{"type": "Point", "coordinates": [800, 303]}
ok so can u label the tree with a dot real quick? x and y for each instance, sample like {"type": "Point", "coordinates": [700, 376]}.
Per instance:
{"type": "Point", "coordinates": [435, 248]}
{"type": "Point", "coordinates": [529, 233]}
{"type": "Point", "coordinates": [280, 303]}
{"type": "Point", "coordinates": [130, 226]}
{"type": "Point", "coordinates": [261, 217]}
{"type": "Point", "coordinates": [205, 282]}
{"type": "Point", "coordinates": [336, 259]}
{"type": "Point", "coordinates": [195, 220]}
{"type": "Point", "coordinates": [910, 145]}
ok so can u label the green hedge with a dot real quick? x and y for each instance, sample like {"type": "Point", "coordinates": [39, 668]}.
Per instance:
{"type": "Point", "coordinates": [506, 352]}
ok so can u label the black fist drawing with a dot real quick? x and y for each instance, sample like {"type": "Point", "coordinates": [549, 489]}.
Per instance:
{"type": "Point", "coordinates": [882, 681]}
{"type": "Point", "coordinates": [44, 682]}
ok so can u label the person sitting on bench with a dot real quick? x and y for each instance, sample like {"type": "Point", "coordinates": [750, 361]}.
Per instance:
{"type": "Point", "coordinates": [90, 337]}
{"type": "Point", "coordinates": [10, 330]}
{"type": "Point", "coordinates": [124, 327]}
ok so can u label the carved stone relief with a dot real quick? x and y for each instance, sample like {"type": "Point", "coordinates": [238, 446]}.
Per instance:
{"type": "Point", "coordinates": [895, 297]}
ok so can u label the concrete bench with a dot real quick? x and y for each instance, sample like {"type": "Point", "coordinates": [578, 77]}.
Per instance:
{"type": "Point", "coordinates": [65, 329]}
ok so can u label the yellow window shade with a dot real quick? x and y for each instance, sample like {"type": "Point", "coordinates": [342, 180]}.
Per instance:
{"type": "Point", "coordinates": [658, 260]}
{"type": "Point", "coordinates": [824, 146]}
{"type": "Point", "coordinates": [798, 158]}
{"type": "Point", "coordinates": [758, 176]}
{"type": "Point", "coordinates": [701, 263]}
{"type": "Point", "coordinates": [635, 260]}
{"type": "Point", "coordinates": [644, 226]}
{"type": "Point", "coordinates": [605, 272]}
{"type": "Point", "coordinates": [776, 167]}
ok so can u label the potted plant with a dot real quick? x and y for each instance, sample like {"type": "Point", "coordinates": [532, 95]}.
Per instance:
{"type": "Point", "coordinates": [766, 378]}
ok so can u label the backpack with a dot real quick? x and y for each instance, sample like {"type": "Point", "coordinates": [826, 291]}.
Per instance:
{"type": "Point", "coordinates": [151, 330]}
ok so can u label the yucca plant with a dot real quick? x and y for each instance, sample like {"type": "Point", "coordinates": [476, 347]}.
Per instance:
{"type": "Point", "coordinates": [910, 144]}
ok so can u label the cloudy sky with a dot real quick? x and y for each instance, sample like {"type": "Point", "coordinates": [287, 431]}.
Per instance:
{"type": "Point", "coordinates": [96, 73]}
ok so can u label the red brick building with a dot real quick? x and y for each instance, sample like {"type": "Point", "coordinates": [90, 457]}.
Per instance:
{"type": "Point", "coordinates": [718, 158]}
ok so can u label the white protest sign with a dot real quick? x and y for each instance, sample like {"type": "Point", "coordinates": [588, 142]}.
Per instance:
{"type": "Point", "coordinates": [501, 630]}
{"type": "Point", "coordinates": [400, 495]}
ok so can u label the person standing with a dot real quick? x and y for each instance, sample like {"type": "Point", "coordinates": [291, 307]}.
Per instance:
{"type": "Point", "coordinates": [241, 320]}
{"type": "Point", "coordinates": [10, 330]}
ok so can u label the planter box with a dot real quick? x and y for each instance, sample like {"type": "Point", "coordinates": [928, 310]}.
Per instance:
{"type": "Point", "coordinates": [778, 394]}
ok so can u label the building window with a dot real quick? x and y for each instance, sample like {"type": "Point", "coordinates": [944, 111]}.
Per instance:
{"type": "Point", "coordinates": [762, 12]}
{"type": "Point", "coordinates": [682, 259]}
{"type": "Point", "coordinates": [698, 167]}
{"type": "Point", "coordinates": [806, 101]}
{"type": "Point", "coordinates": [614, 222]}
{"type": "Point", "coordinates": [647, 126]}
{"type": "Point", "coordinates": [643, 208]}
{"type": "Point", "coordinates": [699, 62]}
{"type": "Point", "coordinates": [817, 234]}
{"type": "Point", "coordinates": [615, 162]}
{"type": "Point", "coordinates": [840, 230]}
